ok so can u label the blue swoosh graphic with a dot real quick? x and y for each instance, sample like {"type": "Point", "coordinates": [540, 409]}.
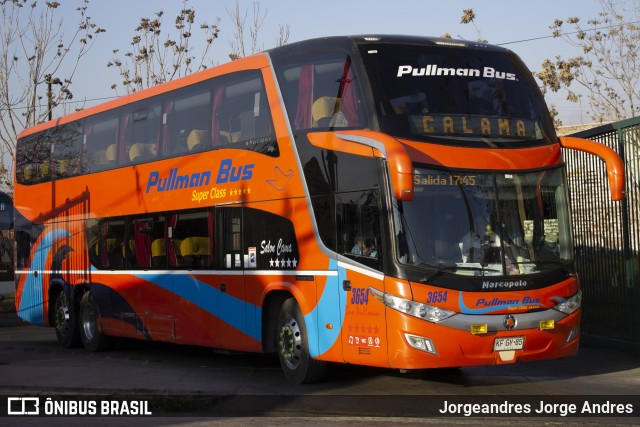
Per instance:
{"type": "Point", "coordinates": [238, 313]}
{"type": "Point", "coordinates": [330, 309]}
{"type": "Point", "coordinates": [31, 306]}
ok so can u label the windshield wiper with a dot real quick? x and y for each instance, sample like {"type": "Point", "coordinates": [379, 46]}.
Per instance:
{"type": "Point", "coordinates": [440, 268]}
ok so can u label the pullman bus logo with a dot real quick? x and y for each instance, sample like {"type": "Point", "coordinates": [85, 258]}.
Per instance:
{"type": "Point", "coordinates": [435, 70]}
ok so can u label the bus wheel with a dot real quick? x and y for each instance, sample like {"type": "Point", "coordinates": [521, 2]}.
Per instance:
{"type": "Point", "coordinates": [293, 347]}
{"type": "Point", "coordinates": [92, 339]}
{"type": "Point", "coordinates": [66, 322]}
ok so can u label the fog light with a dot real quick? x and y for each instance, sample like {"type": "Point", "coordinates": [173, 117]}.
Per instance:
{"type": "Point", "coordinates": [572, 335]}
{"type": "Point", "coordinates": [547, 324]}
{"type": "Point", "coordinates": [480, 328]}
{"type": "Point", "coordinates": [421, 343]}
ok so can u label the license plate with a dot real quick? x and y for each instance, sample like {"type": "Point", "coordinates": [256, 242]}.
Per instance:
{"type": "Point", "coordinates": [510, 343]}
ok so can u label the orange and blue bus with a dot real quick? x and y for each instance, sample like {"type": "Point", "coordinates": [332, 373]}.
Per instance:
{"type": "Point", "coordinates": [386, 201]}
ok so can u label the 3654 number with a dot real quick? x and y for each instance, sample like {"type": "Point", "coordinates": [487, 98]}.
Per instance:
{"type": "Point", "coordinates": [436, 297]}
{"type": "Point", "coordinates": [360, 296]}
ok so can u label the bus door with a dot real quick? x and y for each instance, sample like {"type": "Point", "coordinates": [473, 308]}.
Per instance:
{"type": "Point", "coordinates": [143, 249]}
{"type": "Point", "coordinates": [360, 244]}
{"type": "Point", "coordinates": [189, 243]}
{"type": "Point", "coordinates": [230, 282]}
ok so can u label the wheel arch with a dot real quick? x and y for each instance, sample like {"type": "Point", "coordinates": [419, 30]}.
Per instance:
{"type": "Point", "coordinates": [270, 311]}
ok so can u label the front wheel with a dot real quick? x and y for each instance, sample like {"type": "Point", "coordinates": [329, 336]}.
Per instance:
{"type": "Point", "coordinates": [293, 346]}
{"type": "Point", "coordinates": [92, 339]}
{"type": "Point", "coordinates": [65, 322]}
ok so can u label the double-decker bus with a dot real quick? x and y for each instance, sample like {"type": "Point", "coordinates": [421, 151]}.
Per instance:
{"type": "Point", "coordinates": [387, 201]}
{"type": "Point", "coordinates": [7, 280]}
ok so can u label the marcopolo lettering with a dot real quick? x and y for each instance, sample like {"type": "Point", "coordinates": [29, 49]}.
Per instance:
{"type": "Point", "coordinates": [504, 285]}
{"type": "Point", "coordinates": [435, 70]}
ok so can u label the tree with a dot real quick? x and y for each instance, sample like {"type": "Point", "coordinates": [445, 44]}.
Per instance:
{"type": "Point", "coordinates": [608, 71]}
{"type": "Point", "coordinates": [468, 17]}
{"type": "Point", "coordinates": [154, 58]}
{"type": "Point", "coordinates": [37, 65]}
{"type": "Point", "coordinates": [239, 19]}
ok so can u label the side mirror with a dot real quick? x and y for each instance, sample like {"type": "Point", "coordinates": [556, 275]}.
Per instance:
{"type": "Point", "coordinates": [615, 166]}
{"type": "Point", "coordinates": [355, 141]}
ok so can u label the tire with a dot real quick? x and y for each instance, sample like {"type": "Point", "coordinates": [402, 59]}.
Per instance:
{"type": "Point", "coordinates": [92, 339]}
{"type": "Point", "coordinates": [65, 322]}
{"type": "Point", "coordinates": [293, 346]}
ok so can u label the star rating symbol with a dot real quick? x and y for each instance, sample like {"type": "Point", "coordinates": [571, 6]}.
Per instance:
{"type": "Point", "coordinates": [240, 191]}
{"type": "Point", "coordinates": [283, 263]}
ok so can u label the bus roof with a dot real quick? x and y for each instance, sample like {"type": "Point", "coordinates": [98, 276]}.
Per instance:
{"type": "Point", "coordinates": [347, 42]}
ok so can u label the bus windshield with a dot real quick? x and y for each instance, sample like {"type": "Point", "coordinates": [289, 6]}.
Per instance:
{"type": "Point", "coordinates": [469, 97]}
{"type": "Point", "coordinates": [486, 224]}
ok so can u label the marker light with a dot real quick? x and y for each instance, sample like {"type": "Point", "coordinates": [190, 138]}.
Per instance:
{"type": "Point", "coordinates": [571, 304]}
{"type": "Point", "coordinates": [412, 308]}
{"type": "Point", "coordinates": [547, 324]}
{"type": "Point", "coordinates": [480, 328]}
{"type": "Point", "coordinates": [573, 334]}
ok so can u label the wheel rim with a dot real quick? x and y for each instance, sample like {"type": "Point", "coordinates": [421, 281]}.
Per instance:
{"type": "Point", "coordinates": [87, 319]}
{"type": "Point", "coordinates": [290, 343]}
{"type": "Point", "coordinates": [62, 315]}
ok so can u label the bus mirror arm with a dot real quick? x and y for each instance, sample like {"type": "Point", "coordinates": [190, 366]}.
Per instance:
{"type": "Point", "coordinates": [615, 166]}
{"type": "Point", "coordinates": [398, 161]}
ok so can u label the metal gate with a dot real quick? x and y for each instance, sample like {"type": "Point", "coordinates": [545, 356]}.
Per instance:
{"type": "Point", "coordinates": [607, 236]}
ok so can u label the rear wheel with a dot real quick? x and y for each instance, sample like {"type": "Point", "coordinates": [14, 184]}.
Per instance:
{"type": "Point", "coordinates": [92, 339]}
{"type": "Point", "coordinates": [293, 346]}
{"type": "Point", "coordinates": [65, 322]}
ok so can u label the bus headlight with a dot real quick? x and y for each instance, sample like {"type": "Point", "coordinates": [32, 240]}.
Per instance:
{"type": "Point", "coordinates": [412, 308]}
{"type": "Point", "coordinates": [571, 304]}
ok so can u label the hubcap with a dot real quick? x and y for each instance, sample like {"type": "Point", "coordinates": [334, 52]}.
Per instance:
{"type": "Point", "coordinates": [88, 323]}
{"type": "Point", "coordinates": [290, 340]}
{"type": "Point", "coordinates": [62, 316]}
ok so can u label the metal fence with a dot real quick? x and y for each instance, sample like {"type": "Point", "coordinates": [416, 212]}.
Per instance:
{"type": "Point", "coordinates": [607, 236]}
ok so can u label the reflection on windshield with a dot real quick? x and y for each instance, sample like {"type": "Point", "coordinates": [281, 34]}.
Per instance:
{"type": "Point", "coordinates": [485, 224]}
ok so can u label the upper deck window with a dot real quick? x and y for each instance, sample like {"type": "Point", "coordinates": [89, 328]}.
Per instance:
{"type": "Point", "coordinates": [321, 91]}
{"type": "Point", "coordinates": [461, 96]}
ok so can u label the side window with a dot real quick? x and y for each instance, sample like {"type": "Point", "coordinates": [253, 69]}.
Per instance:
{"type": "Point", "coordinates": [105, 239]}
{"type": "Point", "coordinates": [189, 240]}
{"type": "Point", "coordinates": [33, 158]}
{"type": "Point", "coordinates": [321, 91]}
{"type": "Point", "coordinates": [99, 141]}
{"type": "Point", "coordinates": [142, 132]}
{"type": "Point", "coordinates": [149, 243]}
{"type": "Point", "coordinates": [241, 114]}
{"type": "Point", "coordinates": [359, 227]}
{"type": "Point", "coordinates": [270, 241]}
{"type": "Point", "coordinates": [66, 151]}
{"type": "Point", "coordinates": [229, 253]}
{"type": "Point", "coordinates": [186, 121]}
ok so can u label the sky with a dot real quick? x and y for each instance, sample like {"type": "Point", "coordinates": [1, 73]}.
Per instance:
{"type": "Point", "coordinates": [498, 21]}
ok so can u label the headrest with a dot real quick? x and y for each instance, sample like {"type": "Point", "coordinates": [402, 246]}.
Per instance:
{"type": "Point", "coordinates": [325, 106]}
{"type": "Point", "coordinates": [196, 137]}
